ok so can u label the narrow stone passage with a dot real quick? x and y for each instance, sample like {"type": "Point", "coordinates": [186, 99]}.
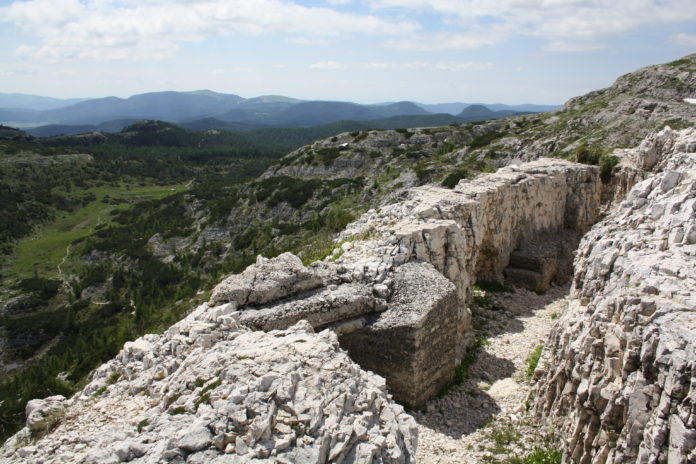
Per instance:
{"type": "Point", "coordinates": [471, 422]}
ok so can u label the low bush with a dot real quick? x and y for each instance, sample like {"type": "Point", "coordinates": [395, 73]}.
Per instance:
{"type": "Point", "coordinates": [454, 177]}
{"type": "Point", "coordinates": [606, 166]}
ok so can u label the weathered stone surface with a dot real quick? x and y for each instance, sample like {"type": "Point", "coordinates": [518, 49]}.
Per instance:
{"type": "Point", "coordinates": [414, 341]}
{"type": "Point", "coordinates": [545, 259]}
{"type": "Point", "coordinates": [213, 391]}
{"type": "Point", "coordinates": [268, 280]}
{"type": "Point", "coordinates": [43, 414]}
{"type": "Point", "coordinates": [466, 234]}
{"type": "Point", "coordinates": [471, 232]}
{"type": "Point", "coordinates": [618, 379]}
{"type": "Point", "coordinates": [320, 308]}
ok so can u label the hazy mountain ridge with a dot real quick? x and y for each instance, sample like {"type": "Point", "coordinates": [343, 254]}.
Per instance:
{"type": "Point", "coordinates": [35, 102]}
{"type": "Point", "coordinates": [180, 107]}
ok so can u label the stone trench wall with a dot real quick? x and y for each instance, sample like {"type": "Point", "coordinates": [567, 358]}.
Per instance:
{"type": "Point", "coordinates": [399, 298]}
{"type": "Point", "coordinates": [618, 377]}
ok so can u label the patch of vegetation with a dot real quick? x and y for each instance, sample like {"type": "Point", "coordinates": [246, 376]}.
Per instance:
{"type": "Point", "coordinates": [485, 139]}
{"type": "Point", "coordinates": [179, 410]}
{"type": "Point", "coordinates": [677, 124]}
{"type": "Point", "coordinates": [606, 166]}
{"type": "Point", "coordinates": [422, 171]}
{"type": "Point", "coordinates": [453, 178]}
{"type": "Point", "coordinates": [588, 154]}
{"type": "Point", "coordinates": [405, 132]}
{"type": "Point", "coordinates": [461, 373]}
{"type": "Point", "coordinates": [327, 155]}
{"type": "Point", "coordinates": [533, 360]}
{"type": "Point", "coordinates": [679, 63]}
{"type": "Point", "coordinates": [502, 437]}
{"type": "Point", "coordinates": [492, 286]}
{"type": "Point", "coordinates": [482, 301]}
{"type": "Point", "coordinates": [142, 424]}
{"type": "Point", "coordinates": [204, 397]}
{"type": "Point", "coordinates": [113, 378]}
{"type": "Point", "coordinates": [540, 455]}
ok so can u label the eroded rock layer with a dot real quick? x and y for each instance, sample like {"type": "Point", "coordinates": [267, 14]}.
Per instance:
{"type": "Point", "coordinates": [619, 377]}
{"type": "Point", "coordinates": [397, 290]}
{"type": "Point", "coordinates": [211, 391]}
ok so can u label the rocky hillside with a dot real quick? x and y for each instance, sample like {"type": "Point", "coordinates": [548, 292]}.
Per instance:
{"type": "Point", "coordinates": [414, 243]}
{"type": "Point", "coordinates": [618, 379]}
{"type": "Point", "coordinates": [299, 203]}
{"type": "Point", "coordinates": [210, 391]}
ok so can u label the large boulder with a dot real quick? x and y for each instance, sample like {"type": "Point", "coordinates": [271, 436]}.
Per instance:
{"type": "Point", "coordinates": [267, 280]}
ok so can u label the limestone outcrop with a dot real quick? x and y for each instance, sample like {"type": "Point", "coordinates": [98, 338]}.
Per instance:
{"type": "Point", "coordinates": [617, 378]}
{"type": "Point", "coordinates": [397, 290]}
{"type": "Point", "coordinates": [210, 391]}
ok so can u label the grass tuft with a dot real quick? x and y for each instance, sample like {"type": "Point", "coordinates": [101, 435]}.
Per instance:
{"type": "Point", "coordinates": [533, 360]}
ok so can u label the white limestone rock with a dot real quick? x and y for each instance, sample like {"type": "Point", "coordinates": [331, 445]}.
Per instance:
{"type": "Point", "coordinates": [268, 280]}
{"type": "Point", "coordinates": [283, 396]}
{"type": "Point", "coordinates": [42, 414]}
{"type": "Point", "coordinates": [618, 374]}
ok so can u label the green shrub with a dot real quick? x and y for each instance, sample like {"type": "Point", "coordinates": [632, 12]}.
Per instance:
{"type": "Point", "coordinates": [327, 155]}
{"type": "Point", "coordinates": [502, 437]}
{"type": "Point", "coordinates": [485, 139]}
{"type": "Point", "coordinates": [454, 177]}
{"type": "Point", "coordinates": [587, 155]}
{"type": "Point", "coordinates": [422, 172]}
{"type": "Point", "coordinates": [538, 456]}
{"type": "Point", "coordinates": [606, 166]}
{"type": "Point", "coordinates": [492, 286]}
{"type": "Point", "coordinates": [406, 133]}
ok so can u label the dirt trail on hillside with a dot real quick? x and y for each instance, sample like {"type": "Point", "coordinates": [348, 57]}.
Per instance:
{"type": "Point", "coordinates": [485, 419]}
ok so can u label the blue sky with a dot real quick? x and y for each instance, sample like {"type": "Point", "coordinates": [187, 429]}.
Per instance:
{"type": "Point", "coordinates": [507, 51]}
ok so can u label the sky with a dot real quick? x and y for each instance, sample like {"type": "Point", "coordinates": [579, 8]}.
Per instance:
{"type": "Point", "coordinates": [431, 51]}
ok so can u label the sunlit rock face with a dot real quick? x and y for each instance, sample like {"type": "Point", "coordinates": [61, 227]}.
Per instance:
{"type": "Point", "coordinates": [617, 379]}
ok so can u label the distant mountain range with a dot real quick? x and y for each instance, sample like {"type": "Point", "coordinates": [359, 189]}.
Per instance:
{"type": "Point", "coordinates": [456, 108]}
{"type": "Point", "coordinates": [35, 102]}
{"type": "Point", "coordinates": [205, 109]}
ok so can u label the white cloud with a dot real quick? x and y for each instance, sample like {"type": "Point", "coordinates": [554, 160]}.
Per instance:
{"type": "Point", "coordinates": [439, 66]}
{"type": "Point", "coordinates": [476, 23]}
{"type": "Point", "coordinates": [306, 41]}
{"type": "Point", "coordinates": [217, 71]}
{"type": "Point", "coordinates": [417, 65]}
{"type": "Point", "coordinates": [449, 40]}
{"type": "Point", "coordinates": [463, 66]}
{"type": "Point", "coordinates": [326, 65]}
{"type": "Point", "coordinates": [68, 29]}
{"type": "Point", "coordinates": [684, 40]}
{"type": "Point", "coordinates": [569, 46]}
{"type": "Point", "coordinates": [375, 65]}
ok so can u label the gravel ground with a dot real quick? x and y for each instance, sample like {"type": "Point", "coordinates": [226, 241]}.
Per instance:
{"type": "Point", "coordinates": [489, 408]}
